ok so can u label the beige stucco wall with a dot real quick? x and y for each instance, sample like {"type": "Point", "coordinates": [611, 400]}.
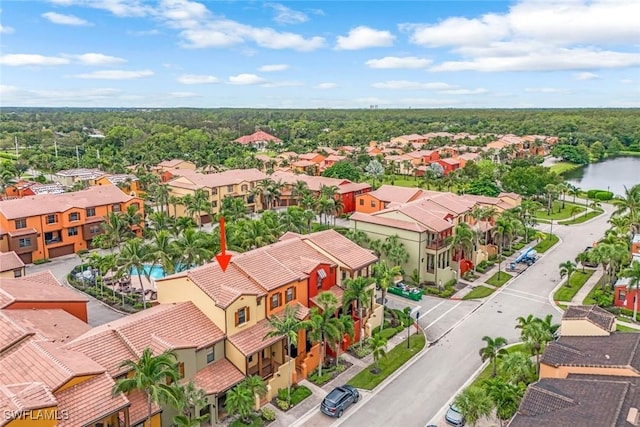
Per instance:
{"type": "Point", "coordinates": [582, 328]}
{"type": "Point", "coordinates": [547, 371]}
{"type": "Point", "coordinates": [374, 320]}
{"type": "Point", "coordinates": [234, 356]}
{"type": "Point", "coordinates": [255, 313]}
{"type": "Point", "coordinates": [279, 379]}
{"type": "Point", "coordinates": [201, 355]}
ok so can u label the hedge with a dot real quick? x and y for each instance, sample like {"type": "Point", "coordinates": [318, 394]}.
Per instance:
{"type": "Point", "coordinates": [600, 194]}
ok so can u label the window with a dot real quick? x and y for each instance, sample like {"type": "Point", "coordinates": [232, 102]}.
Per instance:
{"type": "Point", "coordinates": [259, 301]}
{"type": "Point", "coordinates": [211, 355]}
{"type": "Point", "coordinates": [245, 188]}
{"type": "Point", "coordinates": [361, 202]}
{"type": "Point", "coordinates": [72, 231]}
{"type": "Point", "coordinates": [275, 301]}
{"type": "Point", "coordinates": [21, 223]}
{"type": "Point", "coordinates": [115, 207]}
{"type": "Point", "coordinates": [242, 316]}
{"type": "Point", "coordinates": [214, 204]}
{"type": "Point", "coordinates": [17, 273]}
{"type": "Point", "coordinates": [24, 242]}
{"type": "Point", "coordinates": [181, 369]}
{"type": "Point", "coordinates": [321, 276]}
{"type": "Point", "coordinates": [214, 191]}
{"type": "Point", "coordinates": [622, 296]}
{"type": "Point", "coordinates": [90, 212]}
{"type": "Point", "coordinates": [373, 204]}
{"type": "Point", "coordinates": [291, 294]}
{"type": "Point", "coordinates": [229, 188]}
{"type": "Point", "coordinates": [136, 205]}
{"type": "Point", "coordinates": [95, 229]}
{"type": "Point", "coordinates": [74, 216]}
{"type": "Point", "coordinates": [51, 219]}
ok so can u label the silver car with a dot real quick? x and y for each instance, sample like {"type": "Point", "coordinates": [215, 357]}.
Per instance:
{"type": "Point", "coordinates": [454, 417]}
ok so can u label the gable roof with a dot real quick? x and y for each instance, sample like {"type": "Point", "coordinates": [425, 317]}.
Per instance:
{"type": "Point", "coordinates": [52, 324]}
{"type": "Point", "coordinates": [10, 261]}
{"type": "Point", "coordinates": [259, 136]}
{"type": "Point", "coordinates": [254, 338]}
{"type": "Point", "coordinates": [36, 287]}
{"type": "Point", "coordinates": [393, 193]}
{"type": "Point", "coordinates": [23, 397]}
{"type": "Point", "coordinates": [214, 180]}
{"type": "Point", "coordinates": [337, 247]}
{"type": "Point", "coordinates": [218, 377]}
{"type": "Point", "coordinates": [592, 313]}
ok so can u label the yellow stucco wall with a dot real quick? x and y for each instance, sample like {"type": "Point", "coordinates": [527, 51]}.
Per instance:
{"type": "Point", "coordinates": [279, 379]}
{"type": "Point", "coordinates": [45, 417]}
{"type": "Point", "coordinates": [255, 315]}
{"type": "Point", "coordinates": [234, 356]}
{"type": "Point", "coordinates": [73, 381]}
{"type": "Point", "coordinates": [581, 328]}
{"type": "Point", "coordinates": [201, 355]}
{"type": "Point", "coordinates": [547, 371]}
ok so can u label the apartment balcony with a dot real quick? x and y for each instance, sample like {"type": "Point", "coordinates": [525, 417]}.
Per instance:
{"type": "Point", "coordinates": [436, 245]}
{"type": "Point", "coordinates": [52, 238]}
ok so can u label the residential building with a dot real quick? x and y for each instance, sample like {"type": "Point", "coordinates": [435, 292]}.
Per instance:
{"type": "Point", "coordinates": [11, 265]}
{"type": "Point", "coordinates": [449, 164]}
{"type": "Point", "coordinates": [164, 168]}
{"type": "Point", "coordinates": [331, 160]}
{"type": "Point", "coordinates": [259, 140]}
{"type": "Point", "coordinates": [52, 225]}
{"type": "Point", "coordinates": [24, 188]}
{"type": "Point", "coordinates": [414, 138]}
{"type": "Point", "coordinates": [69, 177]}
{"type": "Point", "coordinates": [126, 182]}
{"type": "Point", "coordinates": [587, 320]}
{"type": "Point", "coordinates": [468, 157]}
{"type": "Point", "coordinates": [635, 245]}
{"type": "Point", "coordinates": [625, 295]}
{"type": "Point", "coordinates": [347, 190]}
{"type": "Point", "coordinates": [41, 291]}
{"type": "Point", "coordinates": [237, 183]}
{"type": "Point", "coordinates": [382, 197]}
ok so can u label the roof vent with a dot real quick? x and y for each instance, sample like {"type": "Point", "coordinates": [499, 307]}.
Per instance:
{"type": "Point", "coordinates": [632, 416]}
{"type": "Point", "coordinates": [606, 356]}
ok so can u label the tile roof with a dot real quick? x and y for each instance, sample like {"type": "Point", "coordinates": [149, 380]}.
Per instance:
{"type": "Point", "coordinates": [335, 290]}
{"type": "Point", "coordinates": [218, 377]}
{"type": "Point", "coordinates": [11, 333]}
{"type": "Point", "coordinates": [253, 338]}
{"type": "Point", "coordinates": [594, 314]}
{"type": "Point", "coordinates": [23, 397]}
{"type": "Point", "coordinates": [36, 287]}
{"type": "Point", "coordinates": [10, 261]}
{"type": "Point", "coordinates": [171, 163]}
{"type": "Point", "coordinates": [337, 247]}
{"type": "Point", "coordinates": [215, 180]}
{"type": "Point", "coordinates": [616, 350]}
{"type": "Point", "coordinates": [301, 311]}
{"type": "Point", "coordinates": [178, 325]}
{"type": "Point", "coordinates": [259, 136]}
{"type": "Point", "coordinates": [43, 204]}
{"type": "Point", "coordinates": [223, 287]}
{"type": "Point", "coordinates": [89, 401]}
{"type": "Point", "coordinates": [389, 222]}
{"type": "Point", "coordinates": [393, 193]}
{"type": "Point", "coordinates": [81, 172]}
{"type": "Point", "coordinates": [579, 401]}
{"type": "Point", "coordinates": [139, 408]}
{"type": "Point", "coordinates": [52, 324]}
{"type": "Point", "coordinates": [44, 361]}
{"type": "Point", "coordinates": [315, 183]}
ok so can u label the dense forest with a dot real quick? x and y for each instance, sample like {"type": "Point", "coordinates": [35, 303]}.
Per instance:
{"type": "Point", "coordinates": [52, 139]}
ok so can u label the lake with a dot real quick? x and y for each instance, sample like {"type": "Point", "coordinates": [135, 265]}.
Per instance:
{"type": "Point", "coordinates": [612, 174]}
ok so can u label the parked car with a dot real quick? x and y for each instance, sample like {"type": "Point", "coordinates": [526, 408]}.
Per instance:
{"type": "Point", "coordinates": [339, 399]}
{"type": "Point", "coordinates": [454, 417]}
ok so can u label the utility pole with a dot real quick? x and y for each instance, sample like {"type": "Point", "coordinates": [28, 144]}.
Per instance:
{"type": "Point", "coordinates": [78, 156]}
{"type": "Point", "coordinates": [55, 146]}
{"type": "Point", "coordinates": [98, 153]}
{"type": "Point", "coordinates": [15, 140]}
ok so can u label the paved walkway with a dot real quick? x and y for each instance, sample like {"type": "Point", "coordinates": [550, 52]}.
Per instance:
{"type": "Point", "coordinates": [587, 287]}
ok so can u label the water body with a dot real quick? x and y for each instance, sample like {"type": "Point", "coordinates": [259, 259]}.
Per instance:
{"type": "Point", "coordinates": [612, 174]}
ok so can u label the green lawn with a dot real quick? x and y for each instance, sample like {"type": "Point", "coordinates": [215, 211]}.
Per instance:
{"type": "Point", "coordinates": [569, 290]}
{"type": "Point", "coordinates": [622, 328]}
{"type": "Point", "coordinates": [499, 279]}
{"type": "Point", "coordinates": [486, 372]}
{"type": "Point", "coordinates": [562, 167]}
{"type": "Point", "coordinates": [582, 218]}
{"type": "Point", "coordinates": [558, 213]}
{"type": "Point", "coordinates": [395, 358]}
{"type": "Point", "coordinates": [546, 244]}
{"type": "Point", "coordinates": [478, 292]}
{"type": "Point", "coordinates": [590, 300]}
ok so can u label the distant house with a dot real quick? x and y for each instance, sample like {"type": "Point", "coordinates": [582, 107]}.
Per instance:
{"type": "Point", "coordinates": [587, 320]}
{"type": "Point", "coordinates": [11, 265]}
{"type": "Point", "coordinates": [69, 177]}
{"type": "Point", "coordinates": [449, 164]}
{"type": "Point", "coordinates": [380, 199]}
{"type": "Point", "coordinates": [128, 183]}
{"type": "Point", "coordinates": [259, 140]}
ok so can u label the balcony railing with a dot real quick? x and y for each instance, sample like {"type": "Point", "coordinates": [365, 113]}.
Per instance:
{"type": "Point", "coordinates": [52, 240]}
{"type": "Point", "coordinates": [438, 244]}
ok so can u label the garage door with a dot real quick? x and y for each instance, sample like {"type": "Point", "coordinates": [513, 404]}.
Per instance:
{"type": "Point", "coordinates": [26, 258]}
{"type": "Point", "coordinates": [62, 250]}
{"type": "Point", "coordinates": [205, 219]}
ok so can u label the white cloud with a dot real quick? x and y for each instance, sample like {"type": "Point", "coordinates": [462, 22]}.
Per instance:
{"type": "Point", "coordinates": [457, 31]}
{"type": "Point", "coordinates": [273, 67]}
{"type": "Point", "coordinates": [286, 83]}
{"type": "Point", "coordinates": [246, 79]}
{"type": "Point", "coordinates": [364, 37]}
{"type": "Point", "coordinates": [409, 62]}
{"type": "Point", "coordinates": [545, 90]}
{"type": "Point", "coordinates": [478, 91]}
{"type": "Point", "coordinates": [97, 59]}
{"type": "Point", "coordinates": [196, 79]}
{"type": "Point", "coordinates": [21, 59]}
{"type": "Point", "coordinates": [285, 15]}
{"type": "Point", "coordinates": [6, 30]}
{"type": "Point", "coordinates": [114, 74]}
{"type": "Point", "coordinates": [326, 85]}
{"type": "Point", "coordinates": [59, 18]}
{"type": "Point", "coordinates": [586, 76]}
{"type": "Point", "coordinates": [143, 33]}
{"type": "Point", "coordinates": [121, 8]}
{"type": "Point", "coordinates": [409, 85]}
{"type": "Point", "coordinates": [183, 94]}
{"type": "Point", "coordinates": [626, 81]}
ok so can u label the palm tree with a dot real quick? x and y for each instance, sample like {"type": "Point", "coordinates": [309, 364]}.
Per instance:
{"type": "Point", "coordinates": [566, 269]}
{"type": "Point", "coordinates": [322, 325]}
{"type": "Point", "coordinates": [493, 351]}
{"type": "Point", "coordinates": [462, 242]}
{"type": "Point", "coordinates": [197, 204]}
{"type": "Point", "coordinates": [190, 400]}
{"type": "Point", "coordinates": [536, 333]}
{"type": "Point", "coordinates": [299, 189]}
{"type": "Point", "coordinates": [358, 237]}
{"type": "Point", "coordinates": [581, 258]}
{"type": "Point", "coordinates": [473, 403]}
{"type": "Point", "coordinates": [114, 229]}
{"type": "Point", "coordinates": [374, 170]}
{"type": "Point", "coordinates": [191, 247]}
{"type": "Point", "coordinates": [359, 290]}
{"type": "Point", "coordinates": [505, 396]}
{"type": "Point", "coordinates": [385, 276]}
{"type": "Point", "coordinates": [633, 272]}
{"type": "Point", "coordinates": [326, 207]}
{"type": "Point", "coordinates": [552, 191]}
{"type": "Point", "coordinates": [163, 251]}
{"type": "Point", "coordinates": [133, 255]}
{"type": "Point", "coordinates": [347, 327]}
{"type": "Point", "coordinates": [517, 368]}
{"type": "Point", "coordinates": [160, 194]}
{"type": "Point", "coordinates": [256, 385]}
{"type": "Point", "coordinates": [240, 401]}
{"type": "Point", "coordinates": [629, 203]}
{"type": "Point", "coordinates": [286, 325]}
{"type": "Point", "coordinates": [233, 209]}
{"type": "Point", "coordinates": [502, 229]}
{"type": "Point", "coordinates": [378, 345]}
{"type": "Point", "coordinates": [160, 220]}
{"type": "Point", "coordinates": [131, 217]}
{"type": "Point", "coordinates": [174, 201]}
{"type": "Point", "coordinates": [394, 250]}
{"type": "Point", "coordinates": [151, 375]}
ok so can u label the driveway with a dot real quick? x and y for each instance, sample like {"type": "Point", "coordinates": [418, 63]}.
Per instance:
{"type": "Point", "coordinates": [98, 313]}
{"type": "Point", "coordinates": [420, 395]}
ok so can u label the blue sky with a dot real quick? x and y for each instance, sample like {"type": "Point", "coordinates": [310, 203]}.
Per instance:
{"type": "Point", "coordinates": [320, 54]}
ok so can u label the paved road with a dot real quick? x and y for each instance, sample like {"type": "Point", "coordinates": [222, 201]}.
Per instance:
{"type": "Point", "coordinates": [420, 394]}
{"type": "Point", "coordinates": [60, 267]}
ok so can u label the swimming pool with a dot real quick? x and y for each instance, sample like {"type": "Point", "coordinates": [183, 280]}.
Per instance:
{"type": "Point", "coordinates": [153, 271]}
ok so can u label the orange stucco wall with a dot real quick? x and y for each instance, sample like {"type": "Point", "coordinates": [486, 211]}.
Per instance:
{"type": "Point", "coordinates": [300, 296]}
{"type": "Point", "coordinates": [78, 309]}
{"type": "Point", "coordinates": [366, 203]}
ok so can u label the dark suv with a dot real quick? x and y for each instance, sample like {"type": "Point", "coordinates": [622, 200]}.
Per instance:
{"type": "Point", "coordinates": [338, 400]}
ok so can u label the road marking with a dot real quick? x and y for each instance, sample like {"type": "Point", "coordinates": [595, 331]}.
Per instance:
{"type": "Point", "coordinates": [416, 308]}
{"type": "Point", "coordinates": [540, 299]}
{"type": "Point", "coordinates": [444, 314]}
{"type": "Point", "coordinates": [526, 293]}
{"type": "Point", "coordinates": [431, 309]}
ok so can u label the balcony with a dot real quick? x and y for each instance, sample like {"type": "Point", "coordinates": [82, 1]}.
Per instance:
{"type": "Point", "coordinates": [52, 237]}
{"type": "Point", "coordinates": [436, 244]}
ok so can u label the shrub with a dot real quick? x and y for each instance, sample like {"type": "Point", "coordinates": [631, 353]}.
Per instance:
{"type": "Point", "coordinates": [41, 261]}
{"type": "Point", "coordinates": [268, 414]}
{"type": "Point", "coordinates": [282, 404]}
{"type": "Point", "coordinates": [604, 195]}
{"type": "Point", "coordinates": [82, 251]}
{"type": "Point", "coordinates": [299, 394]}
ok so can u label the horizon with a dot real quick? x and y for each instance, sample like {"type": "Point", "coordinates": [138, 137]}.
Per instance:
{"type": "Point", "coordinates": [321, 55]}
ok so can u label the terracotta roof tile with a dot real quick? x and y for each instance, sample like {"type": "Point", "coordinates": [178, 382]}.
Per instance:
{"type": "Point", "coordinates": [215, 180]}
{"type": "Point", "coordinates": [94, 345]}
{"type": "Point", "coordinates": [218, 377]}
{"type": "Point", "coordinates": [252, 339]}
{"type": "Point", "coordinates": [335, 290]}
{"type": "Point", "coordinates": [594, 314]}
{"type": "Point", "coordinates": [170, 163]}
{"type": "Point", "coordinates": [337, 247]}
{"type": "Point", "coordinates": [51, 324]}
{"type": "Point", "coordinates": [389, 222]}
{"type": "Point", "coordinates": [51, 203]}
{"type": "Point", "coordinates": [24, 397]}
{"type": "Point", "coordinates": [11, 333]}
{"type": "Point", "coordinates": [40, 287]}
{"type": "Point", "coordinates": [393, 193]}
{"type": "Point", "coordinates": [139, 408]}
{"type": "Point", "coordinates": [315, 183]}
{"type": "Point", "coordinates": [259, 136]}
{"type": "Point", "coordinates": [89, 401]}
{"type": "Point", "coordinates": [10, 261]}
{"type": "Point", "coordinates": [301, 311]}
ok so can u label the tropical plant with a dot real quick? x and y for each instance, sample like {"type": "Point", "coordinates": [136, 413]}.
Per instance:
{"type": "Point", "coordinates": [633, 273]}
{"type": "Point", "coordinates": [394, 250]}
{"type": "Point", "coordinates": [133, 256]}
{"type": "Point", "coordinates": [378, 345]}
{"type": "Point", "coordinates": [385, 277]}
{"type": "Point", "coordinates": [151, 375]}
{"type": "Point", "coordinates": [347, 327]}
{"type": "Point", "coordinates": [473, 403]}
{"type": "Point", "coordinates": [374, 170]}
{"type": "Point", "coordinates": [286, 325]}
{"type": "Point", "coordinates": [516, 367]}
{"type": "Point", "coordinates": [462, 242]}
{"type": "Point", "coordinates": [360, 291]}
{"type": "Point", "coordinates": [358, 237]}
{"type": "Point", "coordinates": [536, 333]}
{"type": "Point", "coordinates": [240, 401]}
{"type": "Point", "coordinates": [505, 397]}
{"type": "Point", "coordinates": [493, 351]}
{"type": "Point", "coordinates": [566, 269]}
{"type": "Point", "coordinates": [322, 324]}
{"type": "Point", "coordinates": [190, 400]}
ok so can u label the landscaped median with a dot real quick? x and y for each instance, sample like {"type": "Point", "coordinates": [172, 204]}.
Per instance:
{"type": "Point", "coordinates": [547, 243]}
{"type": "Point", "coordinates": [569, 290]}
{"type": "Point", "coordinates": [582, 218]}
{"type": "Point", "coordinates": [480, 291]}
{"type": "Point", "coordinates": [395, 358]}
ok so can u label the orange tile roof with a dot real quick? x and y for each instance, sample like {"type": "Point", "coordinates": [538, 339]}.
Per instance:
{"type": "Point", "coordinates": [10, 261]}
{"type": "Point", "coordinates": [218, 377]}
{"type": "Point", "coordinates": [51, 203]}
{"type": "Point", "coordinates": [43, 361]}
{"type": "Point", "coordinates": [171, 163]}
{"type": "Point", "coordinates": [23, 397]}
{"type": "Point", "coordinates": [252, 339]}
{"type": "Point", "coordinates": [259, 136]}
{"type": "Point", "coordinates": [336, 246]}
{"type": "Point", "coordinates": [222, 287]}
{"type": "Point", "coordinates": [215, 180]}
{"type": "Point", "coordinates": [394, 193]}
{"type": "Point", "coordinates": [40, 287]}
{"type": "Point", "coordinates": [53, 324]}
{"type": "Point", "coordinates": [139, 408]}
{"type": "Point", "coordinates": [11, 333]}
{"type": "Point", "coordinates": [335, 290]}
{"type": "Point", "coordinates": [315, 183]}
{"type": "Point", "coordinates": [389, 222]}
{"type": "Point", "coordinates": [178, 325]}
{"type": "Point", "coordinates": [89, 401]}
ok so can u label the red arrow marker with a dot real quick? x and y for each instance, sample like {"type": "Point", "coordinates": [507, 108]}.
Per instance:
{"type": "Point", "coordinates": [223, 258]}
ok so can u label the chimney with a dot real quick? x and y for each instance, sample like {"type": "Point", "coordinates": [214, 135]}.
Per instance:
{"type": "Point", "coordinates": [632, 416]}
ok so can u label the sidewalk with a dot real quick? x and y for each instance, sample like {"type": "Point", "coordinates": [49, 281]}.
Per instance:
{"type": "Point", "coordinates": [312, 403]}
{"type": "Point", "coordinates": [587, 287]}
